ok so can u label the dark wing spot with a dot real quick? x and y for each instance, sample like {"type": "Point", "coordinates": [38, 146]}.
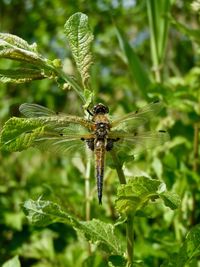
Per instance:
{"type": "Point", "coordinates": [90, 143]}
{"type": "Point", "coordinates": [82, 139]}
{"type": "Point", "coordinates": [61, 134]}
{"type": "Point", "coordinates": [162, 131]}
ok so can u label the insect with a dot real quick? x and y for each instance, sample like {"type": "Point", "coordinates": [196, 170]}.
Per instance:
{"type": "Point", "coordinates": [98, 132]}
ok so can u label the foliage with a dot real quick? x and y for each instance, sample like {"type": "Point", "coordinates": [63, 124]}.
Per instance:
{"type": "Point", "coordinates": [140, 51]}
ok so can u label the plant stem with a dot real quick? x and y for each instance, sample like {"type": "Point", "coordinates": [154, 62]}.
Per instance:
{"type": "Point", "coordinates": [87, 196]}
{"type": "Point", "coordinates": [69, 80]}
{"type": "Point", "coordinates": [196, 146]}
{"type": "Point", "coordinates": [130, 217]}
{"type": "Point", "coordinates": [130, 239]}
{"type": "Point", "coordinates": [87, 192]}
{"type": "Point", "coordinates": [118, 167]}
{"type": "Point", "coordinates": [195, 169]}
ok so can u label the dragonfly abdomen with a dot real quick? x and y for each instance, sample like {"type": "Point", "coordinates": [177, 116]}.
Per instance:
{"type": "Point", "coordinates": [99, 162]}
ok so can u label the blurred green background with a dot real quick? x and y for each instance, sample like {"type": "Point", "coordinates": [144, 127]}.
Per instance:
{"type": "Point", "coordinates": [31, 174]}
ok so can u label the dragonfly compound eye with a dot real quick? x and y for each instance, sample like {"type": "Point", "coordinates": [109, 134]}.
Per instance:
{"type": "Point", "coordinates": [100, 109]}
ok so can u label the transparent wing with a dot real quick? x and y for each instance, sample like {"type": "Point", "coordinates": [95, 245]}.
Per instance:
{"type": "Point", "coordinates": [62, 143]}
{"type": "Point", "coordinates": [133, 143]}
{"type": "Point", "coordinates": [52, 118]}
{"type": "Point", "coordinates": [35, 110]}
{"type": "Point", "coordinates": [60, 133]}
{"type": "Point", "coordinates": [132, 120]}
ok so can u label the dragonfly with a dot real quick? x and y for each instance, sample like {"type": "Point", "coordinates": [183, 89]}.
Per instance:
{"type": "Point", "coordinates": [99, 133]}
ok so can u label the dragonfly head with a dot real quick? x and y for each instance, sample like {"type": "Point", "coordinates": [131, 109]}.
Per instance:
{"type": "Point", "coordinates": [100, 109]}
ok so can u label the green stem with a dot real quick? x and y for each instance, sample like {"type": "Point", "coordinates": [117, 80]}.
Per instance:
{"type": "Point", "coordinates": [87, 190]}
{"type": "Point", "coordinates": [59, 72]}
{"type": "Point", "coordinates": [130, 239]}
{"type": "Point", "coordinates": [87, 197]}
{"type": "Point", "coordinates": [196, 147]}
{"type": "Point", "coordinates": [130, 217]}
{"type": "Point", "coordinates": [118, 167]}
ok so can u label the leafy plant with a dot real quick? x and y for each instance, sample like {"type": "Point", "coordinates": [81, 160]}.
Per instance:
{"type": "Point", "coordinates": [138, 197]}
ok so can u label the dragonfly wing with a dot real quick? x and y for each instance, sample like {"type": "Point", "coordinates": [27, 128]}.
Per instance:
{"type": "Point", "coordinates": [35, 110]}
{"type": "Point", "coordinates": [133, 143]}
{"type": "Point", "coordinates": [51, 118]}
{"type": "Point", "coordinates": [132, 120]}
{"type": "Point", "coordinates": [60, 133]}
{"type": "Point", "coordinates": [62, 143]}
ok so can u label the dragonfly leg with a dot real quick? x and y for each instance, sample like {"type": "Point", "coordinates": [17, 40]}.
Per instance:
{"type": "Point", "coordinates": [89, 112]}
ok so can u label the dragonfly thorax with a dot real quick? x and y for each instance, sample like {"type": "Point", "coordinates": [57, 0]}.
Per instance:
{"type": "Point", "coordinates": [101, 130]}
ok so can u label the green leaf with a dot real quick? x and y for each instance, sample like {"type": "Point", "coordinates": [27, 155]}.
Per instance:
{"type": "Point", "coordinates": [117, 261]}
{"type": "Point", "coordinates": [135, 66]}
{"type": "Point", "coordinates": [20, 75]}
{"type": "Point", "coordinates": [43, 213]}
{"type": "Point", "coordinates": [171, 200]}
{"type": "Point", "coordinates": [19, 133]}
{"type": "Point", "coordinates": [13, 47]}
{"type": "Point", "coordinates": [14, 262]}
{"type": "Point", "coordinates": [17, 41]}
{"type": "Point", "coordinates": [80, 38]}
{"type": "Point", "coordinates": [193, 34]}
{"type": "Point", "coordinates": [88, 95]}
{"type": "Point", "coordinates": [136, 194]}
{"type": "Point", "coordinates": [190, 248]}
{"type": "Point", "coordinates": [102, 234]}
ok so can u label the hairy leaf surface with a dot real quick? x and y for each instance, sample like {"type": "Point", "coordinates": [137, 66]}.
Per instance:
{"type": "Point", "coordinates": [43, 213]}
{"type": "Point", "coordinates": [80, 38]}
{"type": "Point", "coordinates": [20, 75]}
{"type": "Point", "coordinates": [136, 194]}
{"type": "Point", "coordinates": [19, 133]}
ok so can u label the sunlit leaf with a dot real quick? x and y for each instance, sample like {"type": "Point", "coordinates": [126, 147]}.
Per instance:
{"type": "Point", "coordinates": [43, 213]}
{"type": "Point", "coordinates": [101, 234]}
{"type": "Point", "coordinates": [136, 194]}
{"type": "Point", "coordinates": [19, 133]}
{"type": "Point", "coordinates": [17, 41]}
{"type": "Point", "coordinates": [20, 75]}
{"type": "Point", "coordinates": [13, 47]}
{"type": "Point", "coordinates": [80, 38]}
{"type": "Point", "coordinates": [14, 262]}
